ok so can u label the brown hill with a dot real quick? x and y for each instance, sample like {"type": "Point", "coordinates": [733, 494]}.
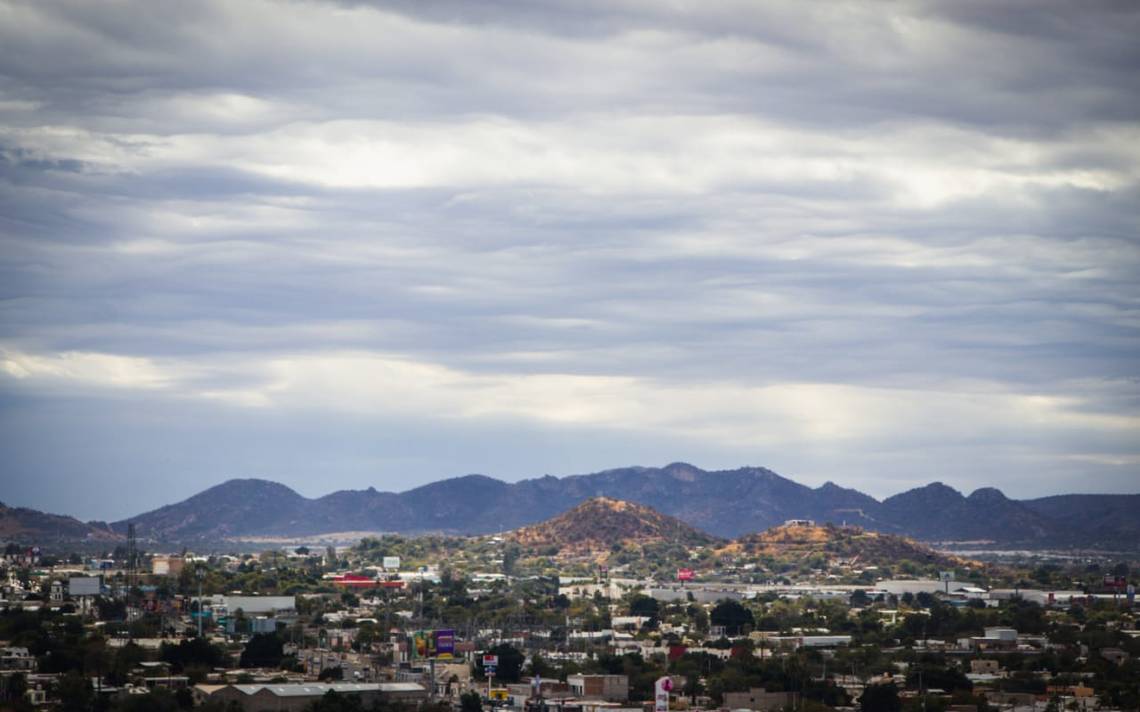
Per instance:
{"type": "Point", "coordinates": [599, 523]}
{"type": "Point", "coordinates": [805, 540]}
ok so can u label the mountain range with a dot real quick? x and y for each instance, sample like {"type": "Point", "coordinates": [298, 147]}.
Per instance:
{"type": "Point", "coordinates": [725, 503]}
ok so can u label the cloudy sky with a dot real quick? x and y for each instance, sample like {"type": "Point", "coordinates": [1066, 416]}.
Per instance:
{"type": "Point", "coordinates": [342, 244]}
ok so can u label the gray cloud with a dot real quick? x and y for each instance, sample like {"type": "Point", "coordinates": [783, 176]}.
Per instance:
{"type": "Point", "coordinates": [352, 244]}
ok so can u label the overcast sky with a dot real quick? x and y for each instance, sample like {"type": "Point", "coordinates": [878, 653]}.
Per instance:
{"type": "Point", "coordinates": [341, 245]}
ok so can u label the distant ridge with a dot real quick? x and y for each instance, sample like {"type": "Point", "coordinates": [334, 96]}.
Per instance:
{"type": "Point", "coordinates": [725, 503]}
{"type": "Point", "coordinates": [19, 524]}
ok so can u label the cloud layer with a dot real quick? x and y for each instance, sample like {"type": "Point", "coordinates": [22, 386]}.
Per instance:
{"type": "Point", "coordinates": [352, 244]}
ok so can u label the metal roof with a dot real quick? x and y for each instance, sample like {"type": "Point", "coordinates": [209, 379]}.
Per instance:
{"type": "Point", "coordinates": [316, 689]}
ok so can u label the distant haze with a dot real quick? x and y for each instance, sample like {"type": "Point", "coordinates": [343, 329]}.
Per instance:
{"type": "Point", "coordinates": [351, 244]}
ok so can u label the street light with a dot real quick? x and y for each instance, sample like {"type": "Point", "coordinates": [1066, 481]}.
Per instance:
{"type": "Point", "coordinates": [200, 573]}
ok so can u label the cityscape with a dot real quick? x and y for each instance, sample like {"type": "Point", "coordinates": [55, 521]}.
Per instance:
{"type": "Point", "coordinates": [589, 611]}
{"type": "Point", "coordinates": [569, 356]}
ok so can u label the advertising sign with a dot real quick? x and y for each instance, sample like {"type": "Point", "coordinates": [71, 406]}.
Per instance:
{"type": "Point", "coordinates": [662, 688]}
{"type": "Point", "coordinates": [490, 661]}
{"type": "Point", "coordinates": [444, 643]}
{"type": "Point", "coordinates": [83, 585]}
{"type": "Point", "coordinates": [433, 644]}
{"type": "Point", "coordinates": [685, 574]}
{"type": "Point", "coordinates": [391, 562]}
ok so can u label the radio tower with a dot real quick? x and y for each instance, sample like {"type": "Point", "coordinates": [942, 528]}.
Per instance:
{"type": "Point", "coordinates": [132, 574]}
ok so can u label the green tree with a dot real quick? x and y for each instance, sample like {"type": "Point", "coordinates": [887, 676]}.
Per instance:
{"type": "Point", "coordinates": [470, 702]}
{"type": "Point", "coordinates": [642, 605]}
{"type": "Point", "coordinates": [510, 662]}
{"type": "Point", "coordinates": [263, 650]}
{"type": "Point", "coordinates": [732, 615]}
{"type": "Point", "coordinates": [880, 698]}
{"type": "Point", "coordinates": [74, 692]}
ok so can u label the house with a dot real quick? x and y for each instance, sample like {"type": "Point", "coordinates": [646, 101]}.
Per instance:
{"type": "Point", "coordinates": [1116, 656]}
{"type": "Point", "coordinates": [612, 688]}
{"type": "Point", "coordinates": [17, 659]}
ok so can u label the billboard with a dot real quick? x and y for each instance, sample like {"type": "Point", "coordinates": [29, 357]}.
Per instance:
{"type": "Point", "coordinates": [84, 585]}
{"type": "Point", "coordinates": [433, 644]}
{"type": "Point", "coordinates": [445, 643]}
{"type": "Point", "coordinates": [391, 562]}
{"type": "Point", "coordinates": [685, 574]}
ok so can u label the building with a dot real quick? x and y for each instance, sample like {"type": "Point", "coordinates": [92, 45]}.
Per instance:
{"type": "Point", "coordinates": [1116, 656]}
{"type": "Point", "coordinates": [611, 688]}
{"type": "Point", "coordinates": [985, 667]}
{"type": "Point", "coordinates": [279, 606]}
{"type": "Point", "coordinates": [759, 699]}
{"type": "Point", "coordinates": [994, 639]}
{"type": "Point", "coordinates": [167, 564]}
{"type": "Point", "coordinates": [295, 697]}
{"type": "Point", "coordinates": [17, 659]}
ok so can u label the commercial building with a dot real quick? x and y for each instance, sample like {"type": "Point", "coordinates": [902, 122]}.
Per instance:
{"type": "Point", "coordinates": [295, 697]}
{"type": "Point", "coordinates": [167, 565]}
{"type": "Point", "coordinates": [759, 699]}
{"type": "Point", "coordinates": [612, 688]}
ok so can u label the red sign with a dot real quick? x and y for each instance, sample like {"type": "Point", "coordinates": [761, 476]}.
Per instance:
{"type": "Point", "coordinates": [685, 574]}
{"type": "Point", "coordinates": [490, 661]}
{"type": "Point", "coordinates": [355, 581]}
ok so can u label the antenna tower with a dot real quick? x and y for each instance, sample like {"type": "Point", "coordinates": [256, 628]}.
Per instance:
{"type": "Point", "coordinates": [132, 575]}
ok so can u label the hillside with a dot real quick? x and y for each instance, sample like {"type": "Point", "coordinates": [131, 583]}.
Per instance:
{"type": "Point", "coordinates": [1102, 521]}
{"type": "Point", "coordinates": [600, 522]}
{"type": "Point", "coordinates": [19, 524]}
{"type": "Point", "coordinates": [940, 513]}
{"type": "Point", "coordinates": [724, 503]}
{"type": "Point", "coordinates": [229, 509]}
{"type": "Point", "coordinates": [868, 547]}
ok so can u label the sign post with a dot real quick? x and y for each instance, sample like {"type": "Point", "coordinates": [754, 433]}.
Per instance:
{"type": "Point", "coordinates": [490, 662]}
{"type": "Point", "coordinates": [661, 690]}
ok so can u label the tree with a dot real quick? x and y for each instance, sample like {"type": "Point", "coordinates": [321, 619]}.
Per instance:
{"type": "Point", "coordinates": [642, 605]}
{"type": "Point", "coordinates": [74, 692]}
{"type": "Point", "coordinates": [510, 662]}
{"type": "Point", "coordinates": [470, 702]}
{"type": "Point", "coordinates": [732, 615]}
{"type": "Point", "coordinates": [939, 677]}
{"type": "Point", "coordinates": [332, 702]}
{"type": "Point", "coordinates": [510, 558]}
{"type": "Point", "coordinates": [331, 673]}
{"type": "Point", "coordinates": [880, 698]}
{"type": "Point", "coordinates": [263, 650]}
{"type": "Point", "coordinates": [859, 598]}
{"type": "Point", "coordinates": [16, 687]}
{"type": "Point", "coordinates": [194, 651]}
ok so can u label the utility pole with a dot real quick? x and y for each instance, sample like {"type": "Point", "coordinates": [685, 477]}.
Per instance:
{"type": "Point", "coordinates": [200, 573]}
